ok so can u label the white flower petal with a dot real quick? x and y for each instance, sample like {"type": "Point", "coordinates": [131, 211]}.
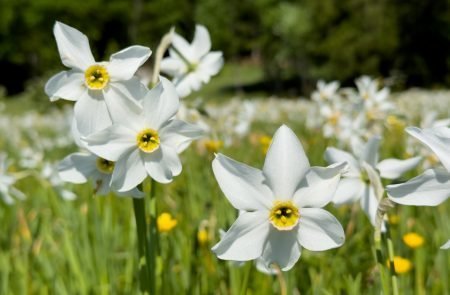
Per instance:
{"type": "Point", "coordinates": [67, 85]}
{"type": "Point", "coordinates": [133, 89]}
{"type": "Point", "coordinates": [375, 180]}
{"type": "Point", "coordinates": [369, 153]}
{"type": "Point", "coordinates": [438, 144]}
{"type": "Point", "coordinates": [73, 47]}
{"type": "Point", "coordinates": [319, 185]}
{"type": "Point", "coordinates": [244, 186]}
{"type": "Point", "coordinates": [129, 171]}
{"type": "Point", "coordinates": [210, 65]}
{"type": "Point", "coordinates": [369, 203]}
{"type": "Point", "coordinates": [282, 248]}
{"type": "Point", "coordinates": [286, 163]}
{"type": "Point", "coordinates": [187, 83]}
{"type": "Point", "coordinates": [446, 245]}
{"type": "Point", "coordinates": [123, 110]}
{"type": "Point", "coordinates": [319, 230]}
{"type": "Point", "coordinates": [245, 239]}
{"type": "Point", "coordinates": [179, 134]}
{"type": "Point", "coordinates": [333, 155]}
{"type": "Point", "coordinates": [394, 168]}
{"type": "Point", "coordinates": [201, 44]}
{"type": "Point", "coordinates": [428, 189]}
{"type": "Point", "coordinates": [173, 66]}
{"type": "Point", "coordinates": [91, 113]}
{"type": "Point", "coordinates": [163, 164]}
{"type": "Point", "coordinates": [183, 47]}
{"type": "Point", "coordinates": [124, 64]}
{"type": "Point", "coordinates": [348, 191]}
{"type": "Point", "coordinates": [77, 167]}
{"type": "Point", "coordinates": [161, 104]}
{"type": "Point", "coordinates": [111, 143]}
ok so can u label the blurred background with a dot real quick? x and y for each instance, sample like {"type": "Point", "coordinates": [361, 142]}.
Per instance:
{"type": "Point", "coordinates": [276, 47]}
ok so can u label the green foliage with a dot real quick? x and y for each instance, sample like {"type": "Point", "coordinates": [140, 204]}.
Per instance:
{"type": "Point", "coordinates": [302, 40]}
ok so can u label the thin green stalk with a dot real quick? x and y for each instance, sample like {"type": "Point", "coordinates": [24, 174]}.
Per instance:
{"type": "Point", "coordinates": [419, 264]}
{"type": "Point", "coordinates": [379, 259]}
{"type": "Point", "coordinates": [141, 227]}
{"type": "Point", "coordinates": [154, 237]}
{"type": "Point", "coordinates": [244, 284]}
{"type": "Point", "coordinates": [390, 247]}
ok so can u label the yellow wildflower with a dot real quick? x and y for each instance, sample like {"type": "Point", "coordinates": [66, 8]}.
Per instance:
{"type": "Point", "coordinates": [413, 240]}
{"type": "Point", "coordinates": [265, 141]}
{"type": "Point", "coordinates": [213, 146]}
{"type": "Point", "coordinates": [165, 222]}
{"type": "Point", "coordinates": [394, 219]}
{"type": "Point", "coordinates": [401, 265]}
{"type": "Point", "coordinates": [202, 237]}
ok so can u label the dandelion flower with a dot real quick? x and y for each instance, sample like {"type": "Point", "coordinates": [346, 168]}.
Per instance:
{"type": "Point", "coordinates": [401, 265]}
{"type": "Point", "coordinates": [165, 222]}
{"type": "Point", "coordinates": [413, 240]}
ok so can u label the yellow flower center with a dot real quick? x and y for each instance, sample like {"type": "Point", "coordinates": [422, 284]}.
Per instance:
{"type": "Point", "coordinates": [284, 215]}
{"type": "Point", "coordinates": [96, 77]}
{"type": "Point", "coordinates": [148, 140]}
{"type": "Point", "coordinates": [104, 166]}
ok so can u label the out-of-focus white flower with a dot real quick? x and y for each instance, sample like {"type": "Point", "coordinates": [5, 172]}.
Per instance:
{"type": "Point", "coordinates": [446, 245]}
{"type": "Point", "coordinates": [7, 191]}
{"type": "Point", "coordinates": [147, 142]}
{"type": "Point", "coordinates": [433, 186]}
{"type": "Point", "coordinates": [50, 173]}
{"type": "Point", "coordinates": [362, 180]}
{"type": "Point", "coordinates": [81, 167]}
{"type": "Point", "coordinates": [280, 206]}
{"type": "Point", "coordinates": [192, 65]}
{"type": "Point", "coordinates": [325, 91]}
{"type": "Point", "coordinates": [99, 88]}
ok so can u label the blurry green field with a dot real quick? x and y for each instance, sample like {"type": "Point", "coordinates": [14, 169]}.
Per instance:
{"type": "Point", "coordinates": [88, 246]}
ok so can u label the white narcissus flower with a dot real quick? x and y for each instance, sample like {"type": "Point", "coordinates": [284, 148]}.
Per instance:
{"type": "Point", "coordinates": [146, 142]}
{"type": "Point", "coordinates": [192, 65]}
{"type": "Point", "coordinates": [433, 186]}
{"type": "Point", "coordinates": [362, 180]}
{"type": "Point", "coordinates": [81, 167]}
{"type": "Point", "coordinates": [99, 88]}
{"type": "Point", "coordinates": [7, 191]}
{"type": "Point", "coordinates": [325, 92]}
{"type": "Point", "coordinates": [280, 206]}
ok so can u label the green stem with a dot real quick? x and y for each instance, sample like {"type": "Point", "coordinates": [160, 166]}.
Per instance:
{"type": "Point", "coordinates": [244, 284]}
{"type": "Point", "coordinates": [141, 228]}
{"type": "Point", "coordinates": [154, 237]}
{"type": "Point", "coordinates": [390, 247]}
{"type": "Point", "coordinates": [379, 259]}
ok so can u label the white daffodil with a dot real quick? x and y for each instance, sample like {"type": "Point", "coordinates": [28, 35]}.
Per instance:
{"type": "Point", "coordinates": [81, 167]}
{"type": "Point", "coordinates": [433, 186]}
{"type": "Point", "coordinates": [99, 88]}
{"type": "Point", "coordinates": [146, 142]}
{"type": "Point", "coordinates": [325, 92]}
{"type": "Point", "coordinates": [50, 173]}
{"type": "Point", "coordinates": [7, 191]}
{"type": "Point", "coordinates": [362, 180]}
{"type": "Point", "coordinates": [192, 65]}
{"type": "Point", "coordinates": [280, 206]}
